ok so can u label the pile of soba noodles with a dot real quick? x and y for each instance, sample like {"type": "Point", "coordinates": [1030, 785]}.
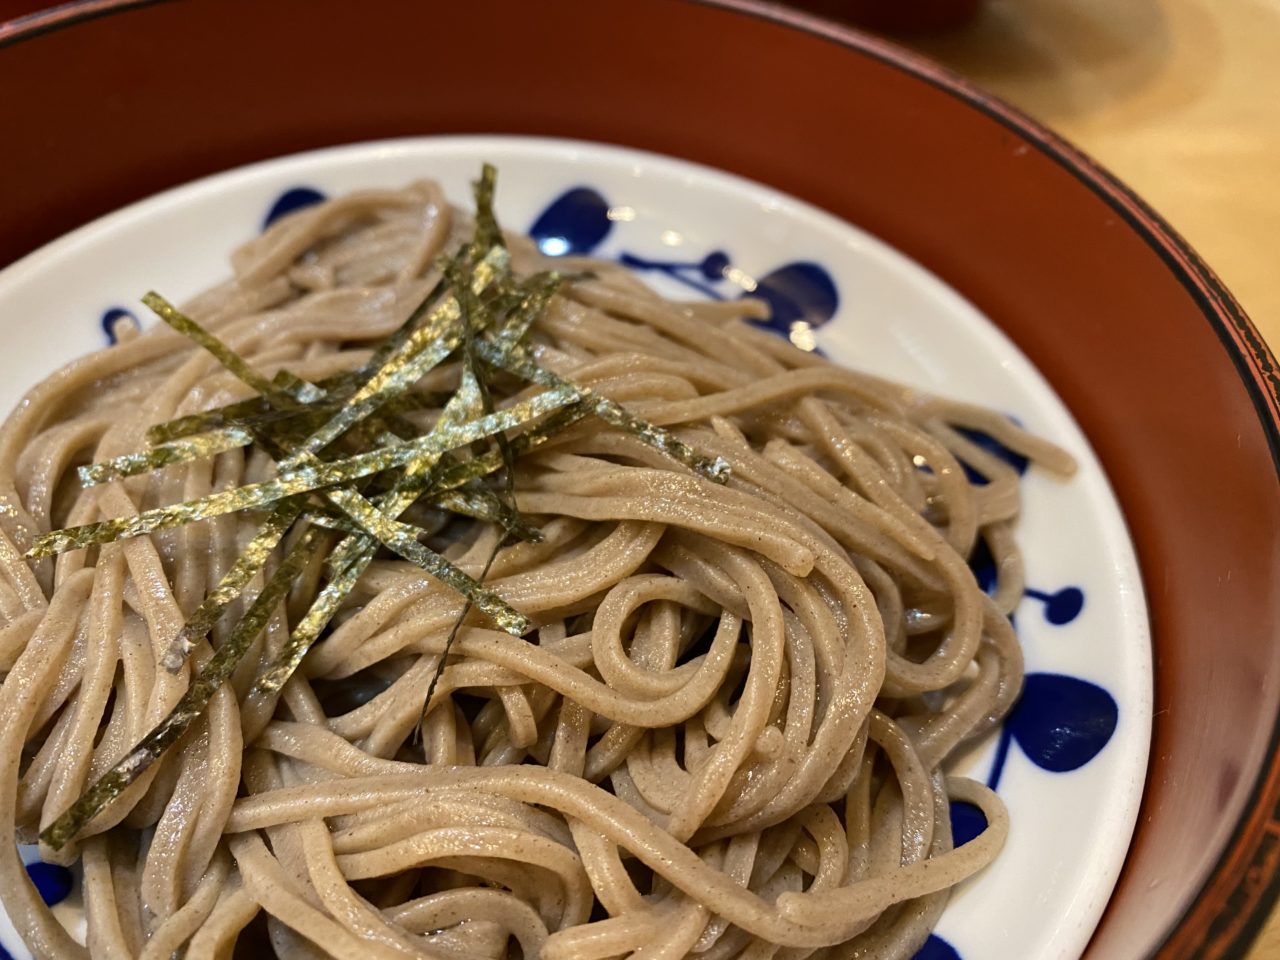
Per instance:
{"type": "Point", "coordinates": [725, 734]}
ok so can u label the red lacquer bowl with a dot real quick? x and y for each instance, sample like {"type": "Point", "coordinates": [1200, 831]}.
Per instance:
{"type": "Point", "coordinates": [108, 101]}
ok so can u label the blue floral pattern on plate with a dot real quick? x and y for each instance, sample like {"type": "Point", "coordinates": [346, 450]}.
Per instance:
{"type": "Point", "coordinates": [295, 198]}
{"type": "Point", "coordinates": [53, 882]}
{"type": "Point", "coordinates": [935, 948]}
{"type": "Point", "coordinates": [801, 294]}
{"type": "Point", "coordinates": [111, 317]}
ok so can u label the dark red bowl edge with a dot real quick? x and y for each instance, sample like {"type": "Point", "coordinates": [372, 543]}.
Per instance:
{"type": "Point", "coordinates": [64, 15]}
{"type": "Point", "coordinates": [1250, 354]}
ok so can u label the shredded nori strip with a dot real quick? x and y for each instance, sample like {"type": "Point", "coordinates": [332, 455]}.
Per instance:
{"type": "Point", "coordinates": [176, 451]}
{"type": "Point", "coordinates": [313, 622]}
{"type": "Point", "coordinates": [474, 397]}
{"type": "Point", "coordinates": [516, 360]}
{"type": "Point", "coordinates": [301, 479]}
{"type": "Point", "coordinates": [488, 506]}
{"type": "Point", "coordinates": [424, 349]}
{"type": "Point", "coordinates": [232, 583]}
{"type": "Point", "coordinates": [347, 460]}
{"type": "Point", "coordinates": [299, 390]}
{"type": "Point", "coordinates": [212, 675]}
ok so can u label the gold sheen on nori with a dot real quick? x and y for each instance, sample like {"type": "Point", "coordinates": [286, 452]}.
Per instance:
{"type": "Point", "coordinates": [479, 313]}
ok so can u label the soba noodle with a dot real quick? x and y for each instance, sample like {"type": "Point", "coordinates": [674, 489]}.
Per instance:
{"type": "Point", "coordinates": [726, 736]}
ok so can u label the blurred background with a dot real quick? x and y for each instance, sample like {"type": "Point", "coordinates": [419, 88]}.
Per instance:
{"type": "Point", "coordinates": [1178, 98]}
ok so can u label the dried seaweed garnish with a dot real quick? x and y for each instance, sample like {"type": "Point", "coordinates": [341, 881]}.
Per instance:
{"type": "Point", "coordinates": [194, 423]}
{"type": "Point", "coordinates": [348, 561]}
{"type": "Point", "coordinates": [165, 454]}
{"type": "Point", "coordinates": [347, 460]}
{"type": "Point", "coordinates": [458, 474]}
{"type": "Point", "coordinates": [424, 349]}
{"type": "Point", "coordinates": [404, 493]}
{"type": "Point", "coordinates": [517, 360]}
{"type": "Point", "coordinates": [467, 397]}
{"type": "Point", "coordinates": [486, 505]}
{"type": "Point", "coordinates": [487, 231]}
{"type": "Point", "coordinates": [313, 622]}
{"type": "Point", "coordinates": [191, 705]}
{"type": "Point", "coordinates": [475, 398]}
{"type": "Point", "coordinates": [351, 558]}
{"type": "Point", "coordinates": [259, 409]}
{"type": "Point", "coordinates": [354, 554]}
{"type": "Point", "coordinates": [233, 582]}
{"type": "Point", "coordinates": [332, 519]}
{"type": "Point", "coordinates": [300, 390]}
{"type": "Point", "coordinates": [346, 564]}
{"type": "Point", "coordinates": [448, 644]}
{"type": "Point", "coordinates": [402, 538]}
{"type": "Point", "coordinates": [300, 479]}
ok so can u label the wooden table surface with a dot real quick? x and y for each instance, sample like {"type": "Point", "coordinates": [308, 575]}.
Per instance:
{"type": "Point", "coordinates": [1178, 98]}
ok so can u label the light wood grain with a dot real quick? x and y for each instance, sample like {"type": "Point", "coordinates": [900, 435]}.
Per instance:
{"type": "Point", "coordinates": [1181, 100]}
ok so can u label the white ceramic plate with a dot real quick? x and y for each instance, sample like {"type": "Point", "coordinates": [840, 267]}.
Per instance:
{"type": "Point", "coordinates": [1069, 764]}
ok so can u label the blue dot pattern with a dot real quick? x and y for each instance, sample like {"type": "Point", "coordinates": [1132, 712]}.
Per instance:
{"type": "Point", "coordinates": [967, 822]}
{"type": "Point", "coordinates": [935, 948]}
{"type": "Point", "coordinates": [993, 446]}
{"type": "Point", "coordinates": [52, 881]}
{"type": "Point", "coordinates": [1061, 722]}
{"type": "Point", "coordinates": [1062, 607]}
{"type": "Point", "coordinates": [109, 318]}
{"type": "Point", "coordinates": [714, 265]}
{"type": "Point", "coordinates": [295, 198]}
{"type": "Point", "coordinates": [576, 223]}
{"type": "Point", "coordinates": [700, 275]}
{"type": "Point", "coordinates": [797, 293]}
